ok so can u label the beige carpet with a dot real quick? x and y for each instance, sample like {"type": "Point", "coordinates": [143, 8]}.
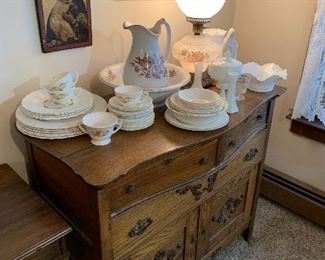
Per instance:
{"type": "Point", "coordinates": [279, 234]}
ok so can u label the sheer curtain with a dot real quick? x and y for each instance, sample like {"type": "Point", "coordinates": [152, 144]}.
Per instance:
{"type": "Point", "coordinates": [310, 101]}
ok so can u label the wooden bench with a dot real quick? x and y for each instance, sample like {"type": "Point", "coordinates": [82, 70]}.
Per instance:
{"type": "Point", "coordinates": [29, 227]}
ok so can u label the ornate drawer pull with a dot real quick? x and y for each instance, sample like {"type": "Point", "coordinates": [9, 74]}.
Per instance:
{"type": "Point", "coordinates": [198, 189]}
{"type": "Point", "coordinates": [232, 143]}
{"type": "Point", "coordinates": [219, 218]}
{"type": "Point", "coordinates": [259, 117]}
{"type": "Point", "coordinates": [140, 227]}
{"type": "Point", "coordinates": [168, 253]}
{"type": "Point", "coordinates": [251, 154]}
{"type": "Point", "coordinates": [228, 210]}
{"type": "Point", "coordinates": [168, 161]}
{"type": "Point", "coordinates": [130, 189]}
{"type": "Point", "coordinates": [204, 161]}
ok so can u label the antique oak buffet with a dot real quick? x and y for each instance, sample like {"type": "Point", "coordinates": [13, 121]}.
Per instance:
{"type": "Point", "coordinates": [160, 193]}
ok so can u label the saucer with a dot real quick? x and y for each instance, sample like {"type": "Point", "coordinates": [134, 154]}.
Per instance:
{"type": "Point", "coordinates": [131, 115]}
{"type": "Point", "coordinates": [224, 119]}
{"type": "Point", "coordinates": [136, 127]}
{"type": "Point", "coordinates": [145, 102]}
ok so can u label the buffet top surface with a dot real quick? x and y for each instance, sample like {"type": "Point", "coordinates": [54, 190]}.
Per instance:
{"type": "Point", "coordinates": [99, 166]}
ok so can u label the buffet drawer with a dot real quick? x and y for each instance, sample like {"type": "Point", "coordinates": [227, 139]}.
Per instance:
{"type": "Point", "coordinates": [172, 169]}
{"type": "Point", "coordinates": [231, 141]}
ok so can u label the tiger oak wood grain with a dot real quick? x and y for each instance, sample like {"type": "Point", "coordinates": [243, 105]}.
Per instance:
{"type": "Point", "coordinates": [220, 210]}
{"type": "Point", "coordinates": [142, 196]}
{"type": "Point", "coordinates": [27, 223]}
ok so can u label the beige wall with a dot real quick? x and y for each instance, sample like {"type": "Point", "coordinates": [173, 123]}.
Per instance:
{"type": "Point", "coordinates": [278, 31]}
{"type": "Point", "coordinates": [25, 68]}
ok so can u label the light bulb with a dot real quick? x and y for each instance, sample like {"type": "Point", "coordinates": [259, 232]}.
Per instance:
{"type": "Point", "coordinates": [200, 8]}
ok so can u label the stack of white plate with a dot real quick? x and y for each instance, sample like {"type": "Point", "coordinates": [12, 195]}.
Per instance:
{"type": "Point", "coordinates": [34, 120]}
{"type": "Point", "coordinates": [136, 117]}
{"type": "Point", "coordinates": [196, 115]}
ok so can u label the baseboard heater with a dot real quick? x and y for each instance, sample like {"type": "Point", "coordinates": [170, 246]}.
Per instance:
{"type": "Point", "coordinates": [290, 193]}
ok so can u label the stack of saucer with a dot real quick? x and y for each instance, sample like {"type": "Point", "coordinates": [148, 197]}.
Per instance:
{"type": "Point", "coordinates": [36, 119]}
{"type": "Point", "coordinates": [133, 108]}
{"type": "Point", "coordinates": [197, 110]}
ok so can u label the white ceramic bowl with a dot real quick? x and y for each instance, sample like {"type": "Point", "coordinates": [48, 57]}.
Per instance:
{"type": "Point", "coordinates": [111, 76]}
{"type": "Point", "coordinates": [196, 98]}
{"type": "Point", "coordinates": [192, 119]}
{"type": "Point", "coordinates": [263, 77]}
{"type": "Point", "coordinates": [177, 105]}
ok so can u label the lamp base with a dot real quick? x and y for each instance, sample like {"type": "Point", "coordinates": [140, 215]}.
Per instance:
{"type": "Point", "coordinates": [198, 24]}
{"type": "Point", "coordinates": [207, 81]}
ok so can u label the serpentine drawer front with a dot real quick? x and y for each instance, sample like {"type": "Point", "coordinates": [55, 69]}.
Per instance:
{"type": "Point", "coordinates": [171, 169]}
{"type": "Point", "coordinates": [160, 193]}
{"type": "Point", "coordinates": [232, 140]}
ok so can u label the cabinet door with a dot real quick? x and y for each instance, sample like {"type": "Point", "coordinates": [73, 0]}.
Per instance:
{"type": "Point", "coordinates": [226, 213]}
{"type": "Point", "coordinates": [175, 242]}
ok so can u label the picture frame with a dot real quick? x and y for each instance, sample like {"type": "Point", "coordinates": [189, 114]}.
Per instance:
{"type": "Point", "coordinates": [64, 24]}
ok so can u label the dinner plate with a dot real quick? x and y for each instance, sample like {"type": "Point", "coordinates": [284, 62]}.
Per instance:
{"type": "Point", "coordinates": [223, 121]}
{"type": "Point", "coordinates": [46, 135]}
{"type": "Point", "coordinates": [32, 105]}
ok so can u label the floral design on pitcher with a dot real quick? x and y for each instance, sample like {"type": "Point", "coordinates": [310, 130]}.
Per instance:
{"type": "Point", "coordinates": [172, 73]}
{"type": "Point", "coordinates": [194, 56]}
{"type": "Point", "coordinates": [150, 67]}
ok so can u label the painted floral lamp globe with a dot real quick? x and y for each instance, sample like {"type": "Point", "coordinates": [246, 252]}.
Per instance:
{"type": "Point", "coordinates": [197, 47]}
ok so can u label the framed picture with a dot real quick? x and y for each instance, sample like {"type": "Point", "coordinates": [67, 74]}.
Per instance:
{"type": "Point", "coordinates": [64, 24]}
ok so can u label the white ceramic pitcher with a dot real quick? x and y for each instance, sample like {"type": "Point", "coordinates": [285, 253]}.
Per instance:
{"type": "Point", "coordinates": [145, 66]}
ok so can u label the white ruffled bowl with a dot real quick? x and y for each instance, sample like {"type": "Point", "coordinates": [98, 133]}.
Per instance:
{"type": "Point", "coordinates": [112, 76]}
{"type": "Point", "coordinates": [263, 77]}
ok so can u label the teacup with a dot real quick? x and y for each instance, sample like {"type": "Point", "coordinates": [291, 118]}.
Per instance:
{"type": "Point", "coordinates": [100, 126]}
{"type": "Point", "coordinates": [64, 81]}
{"type": "Point", "coordinates": [61, 90]}
{"type": "Point", "coordinates": [129, 95]}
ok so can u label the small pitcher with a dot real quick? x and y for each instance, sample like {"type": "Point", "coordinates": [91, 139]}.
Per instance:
{"type": "Point", "coordinates": [145, 66]}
